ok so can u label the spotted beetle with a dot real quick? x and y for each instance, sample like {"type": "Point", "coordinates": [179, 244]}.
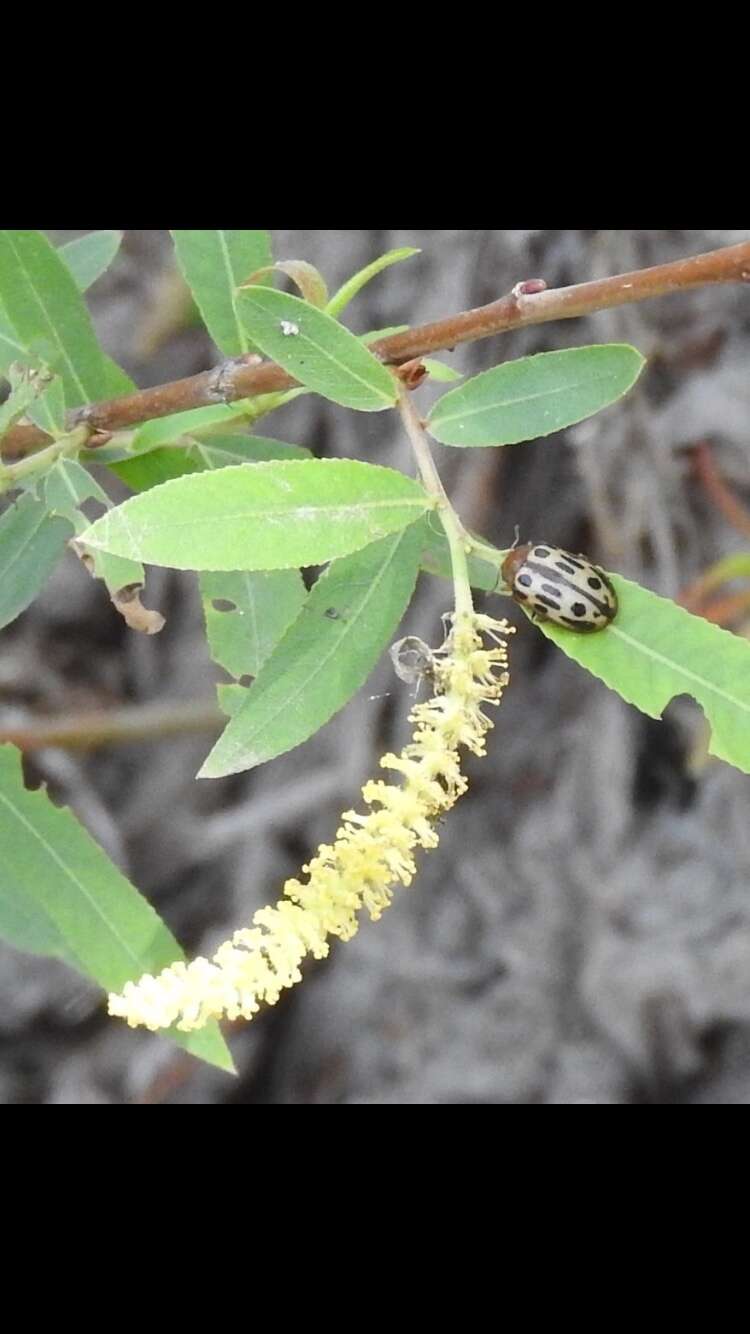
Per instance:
{"type": "Point", "coordinates": [556, 586]}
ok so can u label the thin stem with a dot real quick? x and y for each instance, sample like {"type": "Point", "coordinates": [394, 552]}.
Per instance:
{"type": "Point", "coordinates": [86, 731]}
{"type": "Point", "coordinates": [243, 377]}
{"type": "Point", "coordinates": [492, 555]}
{"type": "Point", "coordinates": [454, 529]}
{"type": "Point", "coordinates": [421, 447]}
{"type": "Point", "coordinates": [12, 473]}
{"type": "Point", "coordinates": [717, 489]}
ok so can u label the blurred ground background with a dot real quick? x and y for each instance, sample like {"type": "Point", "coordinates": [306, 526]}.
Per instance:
{"type": "Point", "coordinates": [582, 934]}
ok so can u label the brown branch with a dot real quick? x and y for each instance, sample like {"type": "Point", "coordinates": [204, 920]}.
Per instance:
{"type": "Point", "coordinates": [717, 489]}
{"type": "Point", "coordinates": [725, 611]}
{"type": "Point", "coordinates": [244, 377]}
{"type": "Point", "coordinates": [136, 722]}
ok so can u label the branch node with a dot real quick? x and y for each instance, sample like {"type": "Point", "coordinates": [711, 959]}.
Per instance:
{"type": "Point", "coordinates": [411, 373]}
{"type": "Point", "coordinates": [220, 387]}
{"type": "Point", "coordinates": [98, 438]}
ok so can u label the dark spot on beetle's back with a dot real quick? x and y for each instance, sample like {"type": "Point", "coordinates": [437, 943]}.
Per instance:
{"type": "Point", "coordinates": [565, 567]}
{"type": "Point", "coordinates": [594, 583]}
{"type": "Point", "coordinates": [552, 589]}
{"type": "Point", "coordinates": [547, 602]}
{"type": "Point", "coordinates": [520, 594]}
{"type": "Point", "coordinates": [524, 579]}
{"type": "Point", "coordinates": [542, 552]}
{"type": "Point", "coordinates": [579, 564]}
{"type": "Point", "coordinates": [578, 609]}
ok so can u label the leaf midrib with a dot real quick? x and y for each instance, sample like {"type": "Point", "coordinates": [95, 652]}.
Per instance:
{"type": "Point", "coordinates": [132, 525]}
{"type": "Point", "coordinates": [323, 661]}
{"type": "Point", "coordinates": [438, 420]}
{"type": "Point", "coordinates": [93, 902]}
{"type": "Point", "coordinates": [679, 669]}
{"type": "Point", "coordinates": [328, 355]}
{"type": "Point", "coordinates": [49, 322]}
{"type": "Point", "coordinates": [244, 341]}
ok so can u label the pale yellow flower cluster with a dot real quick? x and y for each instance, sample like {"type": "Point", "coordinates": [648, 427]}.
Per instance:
{"type": "Point", "coordinates": [371, 854]}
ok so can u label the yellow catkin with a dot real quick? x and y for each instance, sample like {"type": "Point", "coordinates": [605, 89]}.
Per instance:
{"type": "Point", "coordinates": [372, 853]}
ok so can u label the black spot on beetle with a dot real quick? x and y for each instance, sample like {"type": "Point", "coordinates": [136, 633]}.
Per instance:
{"type": "Point", "coordinates": [552, 589]}
{"type": "Point", "coordinates": [594, 583]}
{"type": "Point", "coordinates": [542, 552]}
{"type": "Point", "coordinates": [565, 567]}
{"type": "Point", "coordinates": [578, 609]}
{"type": "Point", "coordinates": [519, 594]}
{"type": "Point", "coordinates": [547, 602]}
{"type": "Point", "coordinates": [524, 579]}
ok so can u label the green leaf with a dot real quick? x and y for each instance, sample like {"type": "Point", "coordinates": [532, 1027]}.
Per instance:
{"type": "Point", "coordinates": [221, 418]}
{"type": "Point", "coordinates": [247, 613]}
{"type": "Point", "coordinates": [11, 347]}
{"type": "Point", "coordinates": [164, 430]}
{"type": "Point", "coordinates": [31, 543]}
{"type": "Point", "coordinates": [215, 451]}
{"type": "Point", "coordinates": [160, 465]}
{"type": "Point", "coordinates": [45, 309]}
{"type": "Point", "coordinates": [221, 451]}
{"type": "Point", "coordinates": [534, 396]}
{"type": "Point", "coordinates": [655, 650]}
{"type": "Point", "coordinates": [214, 263]}
{"type": "Point", "coordinates": [355, 284]}
{"type": "Point", "coordinates": [61, 895]}
{"type": "Point", "coordinates": [326, 655]}
{"type": "Point", "coordinates": [89, 256]}
{"type": "Point", "coordinates": [315, 349]}
{"type": "Point", "coordinates": [270, 516]}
